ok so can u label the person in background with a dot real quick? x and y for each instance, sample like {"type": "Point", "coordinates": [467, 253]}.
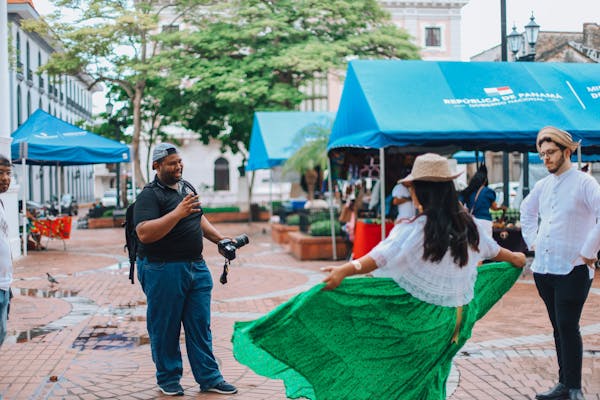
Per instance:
{"type": "Point", "coordinates": [478, 198]}
{"type": "Point", "coordinates": [6, 267]}
{"type": "Point", "coordinates": [403, 199]}
{"type": "Point", "coordinates": [559, 220]}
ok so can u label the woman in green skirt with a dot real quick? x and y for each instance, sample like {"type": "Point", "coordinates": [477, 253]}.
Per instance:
{"type": "Point", "coordinates": [392, 336]}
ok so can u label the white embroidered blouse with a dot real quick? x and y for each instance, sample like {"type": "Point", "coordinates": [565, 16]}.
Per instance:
{"type": "Point", "coordinates": [400, 257]}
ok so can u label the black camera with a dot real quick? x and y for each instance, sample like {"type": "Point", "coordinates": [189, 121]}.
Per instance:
{"type": "Point", "coordinates": [227, 247]}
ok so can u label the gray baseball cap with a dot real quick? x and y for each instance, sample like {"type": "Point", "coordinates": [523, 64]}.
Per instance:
{"type": "Point", "coordinates": [162, 150]}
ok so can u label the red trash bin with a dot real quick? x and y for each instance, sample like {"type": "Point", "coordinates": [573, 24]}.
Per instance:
{"type": "Point", "coordinates": [367, 235]}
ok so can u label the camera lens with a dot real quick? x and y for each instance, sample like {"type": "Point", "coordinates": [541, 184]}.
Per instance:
{"type": "Point", "coordinates": [241, 240]}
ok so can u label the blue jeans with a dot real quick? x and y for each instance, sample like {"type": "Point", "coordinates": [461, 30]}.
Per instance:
{"type": "Point", "coordinates": [179, 292]}
{"type": "Point", "coordinates": [4, 300]}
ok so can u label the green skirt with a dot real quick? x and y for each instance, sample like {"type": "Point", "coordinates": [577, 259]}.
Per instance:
{"type": "Point", "coordinates": [367, 339]}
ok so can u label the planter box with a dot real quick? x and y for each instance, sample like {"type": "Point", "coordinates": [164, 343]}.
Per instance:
{"type": "Point", "coordinates": [106, 222]}
{"type": "Point", "coordinates": [229, 216]}
{"type": "Point", "coordinates": [279, 232]}
{"type": "Point", "coordinates": [306, 247]}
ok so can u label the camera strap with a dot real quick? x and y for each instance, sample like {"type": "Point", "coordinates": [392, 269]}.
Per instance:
{"type": "Point", "coordinates": [223, 278]}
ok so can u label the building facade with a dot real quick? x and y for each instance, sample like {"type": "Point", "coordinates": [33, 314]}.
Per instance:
{"type": "Point", "coordinates": [66, 97]}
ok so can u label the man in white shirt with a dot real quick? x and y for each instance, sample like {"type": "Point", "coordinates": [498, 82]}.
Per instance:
{"type": "Point", "coordinates": [402, 199]}
{"type": "Point", "coordinates": [566, 242]}
{"type": "Point", "coordinates": [5, 257]}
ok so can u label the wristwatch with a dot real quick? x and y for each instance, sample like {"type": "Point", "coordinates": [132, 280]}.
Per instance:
{"type": "Point", "coordinates": [357, 264]}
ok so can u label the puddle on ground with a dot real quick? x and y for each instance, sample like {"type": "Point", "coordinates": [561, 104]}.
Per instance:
{"type": "Point", "coordinates": [26, 336]}
{"type": "Point", "coordinates": [46, 293]}
{"type": "Point", "coordinates": [106, 338]}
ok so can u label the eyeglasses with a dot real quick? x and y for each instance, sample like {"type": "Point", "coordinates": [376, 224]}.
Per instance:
{"type": "Point", "coordinates": [548, 153]}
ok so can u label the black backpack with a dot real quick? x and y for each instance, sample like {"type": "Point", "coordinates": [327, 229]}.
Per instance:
{"type": "Point", "coordinates": [131, 239]}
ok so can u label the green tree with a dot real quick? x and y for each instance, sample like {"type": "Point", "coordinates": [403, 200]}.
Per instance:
{"type": "Point", "coordinates": [251, 55]}
{"type": "Point", "coordinates": [114, 43]}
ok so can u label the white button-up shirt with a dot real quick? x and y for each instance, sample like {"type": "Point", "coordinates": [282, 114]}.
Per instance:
{"type": "Point", "coordinates": [568, 207]}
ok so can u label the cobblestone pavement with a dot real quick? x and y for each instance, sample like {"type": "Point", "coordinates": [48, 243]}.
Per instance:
{"type": "Point", "coordinates": [85, 337]}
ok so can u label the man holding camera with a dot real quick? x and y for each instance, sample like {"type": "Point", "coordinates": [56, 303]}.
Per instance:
{"type": "Point", "coordinates": [170, 226]}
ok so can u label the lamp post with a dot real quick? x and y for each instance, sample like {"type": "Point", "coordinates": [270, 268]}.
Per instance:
{"type": "Point", "coordinates": [116, 122]}
{"type": "Point", "coordinates": [517, 42]}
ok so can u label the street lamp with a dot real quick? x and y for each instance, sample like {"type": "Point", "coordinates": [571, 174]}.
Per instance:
{"type": "Point", "coordinates": [116, 122]}
{"type": "Point", "coordinates": [516, 41]}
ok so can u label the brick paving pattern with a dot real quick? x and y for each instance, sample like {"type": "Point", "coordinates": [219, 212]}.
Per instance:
{"type": "Point", "coordinates": [85, 337]}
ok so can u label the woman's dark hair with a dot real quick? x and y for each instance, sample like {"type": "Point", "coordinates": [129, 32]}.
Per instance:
{"type": "Point", "coordinates": [479, 179]}
{"type": "Point", "coordinates": [448, 223]}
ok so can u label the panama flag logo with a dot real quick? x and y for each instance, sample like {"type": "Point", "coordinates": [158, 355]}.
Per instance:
{"type": "Point", "coordinates": [498, 91]}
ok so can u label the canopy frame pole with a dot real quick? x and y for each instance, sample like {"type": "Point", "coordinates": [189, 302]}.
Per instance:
{"type": "Point", "coordinates": [24, 204]}
{"type": "Point", "coordinates": [525, 189]}
{"type": "Point", "coordinates": [270, 194]}
{"type": "Point", "coordinates": [59, 188]}
{"type": "Point", "coordinates": [382, 189]}
{"type": "Point", "coordinates": [331, 216]}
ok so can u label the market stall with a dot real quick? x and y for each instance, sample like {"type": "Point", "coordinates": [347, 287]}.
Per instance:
{"type": "Point", "coordinates": [46, 140]}
{"type": "Point", "coordinates": [53, 228]}
{"type": "Point", "coordinates": [417, 106]}
{"type": "Point", "coordinates": [275, 137]}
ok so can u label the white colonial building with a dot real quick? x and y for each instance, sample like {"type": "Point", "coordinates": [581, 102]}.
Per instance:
{"type": "Point", "coordinates": [66, 97]}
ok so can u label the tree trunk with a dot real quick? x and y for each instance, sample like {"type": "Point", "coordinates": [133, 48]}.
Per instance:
{"type": "Point", "coordinates": [137, 129]}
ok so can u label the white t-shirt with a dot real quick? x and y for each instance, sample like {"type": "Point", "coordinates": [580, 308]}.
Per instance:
{"type": "Point", "coordinates": [400, 257]}
{"type": "Point", "coordinates": [406, 209]}
{"type": "Point", "coordinates": [6, 270]}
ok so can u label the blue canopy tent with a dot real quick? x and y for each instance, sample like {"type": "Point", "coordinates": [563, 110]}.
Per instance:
{"type": "Point", "coordinates": [468, 157]}
{"type": "Point", "coordinates": [52, 141]}
{"type": "Point", "coordinates": [271, 140]}
{"type": "Point", "coordinates": [273, 135]}
{"type": "Point", "coordinates": [428, 105]}
{"type": "Point", "coordinates": [469, 105]}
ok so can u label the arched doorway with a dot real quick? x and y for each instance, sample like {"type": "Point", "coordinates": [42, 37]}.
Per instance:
{"type": "Point", "coordinates": [221, 174]}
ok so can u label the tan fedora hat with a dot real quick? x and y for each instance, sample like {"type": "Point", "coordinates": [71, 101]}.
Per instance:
{"type": "Point", "coordinates": [431, 167]}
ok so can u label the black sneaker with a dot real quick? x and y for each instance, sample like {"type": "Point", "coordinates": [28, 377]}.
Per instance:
{"type": "Point", "coordinates": [223, 388]}
{"type": "Point", "coordinates": [171, 389]}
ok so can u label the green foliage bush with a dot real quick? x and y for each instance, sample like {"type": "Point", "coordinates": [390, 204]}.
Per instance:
{"type": "Point", "coordinates": [293, 219]}
{"type": "Point", "coordinates": [323, 228]}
